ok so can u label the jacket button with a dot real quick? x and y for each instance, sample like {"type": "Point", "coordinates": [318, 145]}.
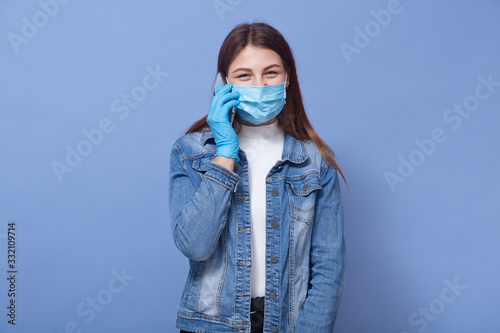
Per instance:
{"type": "Point", "coordinates": [272, 295]}
{"type": "Point", "coordinates": [274, 225]}
{"type": "Point", "coordinates": [275, 192]}
{"type": "Point", "coordinates": [273, 329]}
{"type": "Point", "coordinates": [274, 259]}
{"type": "Point", "coordinates": [305, 187]}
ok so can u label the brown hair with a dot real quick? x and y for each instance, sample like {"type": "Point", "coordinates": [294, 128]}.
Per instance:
{"type": "Point", "coordinates": [293, 116]}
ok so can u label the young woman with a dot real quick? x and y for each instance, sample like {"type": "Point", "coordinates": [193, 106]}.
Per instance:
{"type": "Point", "coordinates": [256, 205]}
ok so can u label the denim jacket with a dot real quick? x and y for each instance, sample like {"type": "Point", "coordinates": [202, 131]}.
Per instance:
{"type": "Point", "coordinates": [210, 223]}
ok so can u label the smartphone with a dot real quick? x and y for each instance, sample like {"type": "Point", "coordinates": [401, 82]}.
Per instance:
{"type": "Point", "coordinates": [221, 81]}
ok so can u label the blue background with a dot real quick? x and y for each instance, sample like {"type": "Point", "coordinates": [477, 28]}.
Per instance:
{"type": "Point", "coordinates": [438, 225]}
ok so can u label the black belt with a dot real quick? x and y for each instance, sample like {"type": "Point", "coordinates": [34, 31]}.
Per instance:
{"type": "Point", "coordinates": [257, 314]}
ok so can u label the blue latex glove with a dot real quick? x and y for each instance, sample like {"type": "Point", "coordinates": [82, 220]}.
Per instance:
{"type": "Point", "coordinates": [218, 119]}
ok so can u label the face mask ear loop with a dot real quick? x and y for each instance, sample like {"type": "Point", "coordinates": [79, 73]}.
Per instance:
{"type": "Point", "coordinates": [284, 87]}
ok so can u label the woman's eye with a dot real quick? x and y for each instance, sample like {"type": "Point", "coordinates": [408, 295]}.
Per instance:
{"type": "Point", "coordinates": [243, 76]}
{"type": "Point", "coordinates": [272, 73]}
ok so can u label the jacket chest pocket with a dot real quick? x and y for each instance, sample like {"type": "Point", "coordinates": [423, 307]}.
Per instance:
{"type": "Point", "coordinates": [302, 193]}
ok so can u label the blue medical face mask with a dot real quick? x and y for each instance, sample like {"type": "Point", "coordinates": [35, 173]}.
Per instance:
{"type": "Point", "coordinates": [259, 104]}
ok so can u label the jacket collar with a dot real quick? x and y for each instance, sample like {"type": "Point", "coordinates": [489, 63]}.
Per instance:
{"type": "Point", "coordinates": [293, 149]}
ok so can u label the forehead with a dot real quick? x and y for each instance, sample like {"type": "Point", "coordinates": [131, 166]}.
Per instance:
{"type": "Point", "coordinates": [255, 57]}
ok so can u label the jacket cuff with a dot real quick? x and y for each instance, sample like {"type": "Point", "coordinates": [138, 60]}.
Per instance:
{"type": "Point", "coordinates": [223, 176]}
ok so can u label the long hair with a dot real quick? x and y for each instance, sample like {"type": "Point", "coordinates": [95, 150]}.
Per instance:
{"type": "Point", "coordinates": [293, 116]}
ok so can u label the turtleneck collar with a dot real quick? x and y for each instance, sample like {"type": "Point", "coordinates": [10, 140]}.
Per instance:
{"type": "Point", "coordinates": [247, 131]}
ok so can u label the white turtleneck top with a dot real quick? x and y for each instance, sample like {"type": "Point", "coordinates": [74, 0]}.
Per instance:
{"type": "Point", "coordinates": [263, 146]}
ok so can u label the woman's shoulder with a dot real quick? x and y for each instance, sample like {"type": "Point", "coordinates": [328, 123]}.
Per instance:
{"type": "Point", "coordinates": [310, 149]}
{"type": "Point", "coordinates": [195, 143]}
{"type": "Point", "coordinates": [315, 155]}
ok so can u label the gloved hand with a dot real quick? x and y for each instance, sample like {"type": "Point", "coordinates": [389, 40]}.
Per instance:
{"type": "Point", "coordinates": [218, 119]}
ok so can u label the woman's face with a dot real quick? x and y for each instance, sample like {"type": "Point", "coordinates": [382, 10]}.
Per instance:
{"type": "Point", "coordinates": [256, 66]}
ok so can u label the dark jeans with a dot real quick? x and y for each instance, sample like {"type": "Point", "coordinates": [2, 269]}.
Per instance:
{"type": "Point", "coordinates": [256, 315]}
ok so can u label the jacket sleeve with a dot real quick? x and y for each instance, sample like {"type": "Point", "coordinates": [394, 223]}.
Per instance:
{"type": "Point", "coordinates": [327, 262]}
{"type": "Point", "coordinates": [198, 213]}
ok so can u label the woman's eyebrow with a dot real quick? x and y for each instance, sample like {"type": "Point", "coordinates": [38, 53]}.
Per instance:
{"type": "Point", "coordinates": [242, 69]}
{"type": "Point", "coordinates": [271, 66]}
